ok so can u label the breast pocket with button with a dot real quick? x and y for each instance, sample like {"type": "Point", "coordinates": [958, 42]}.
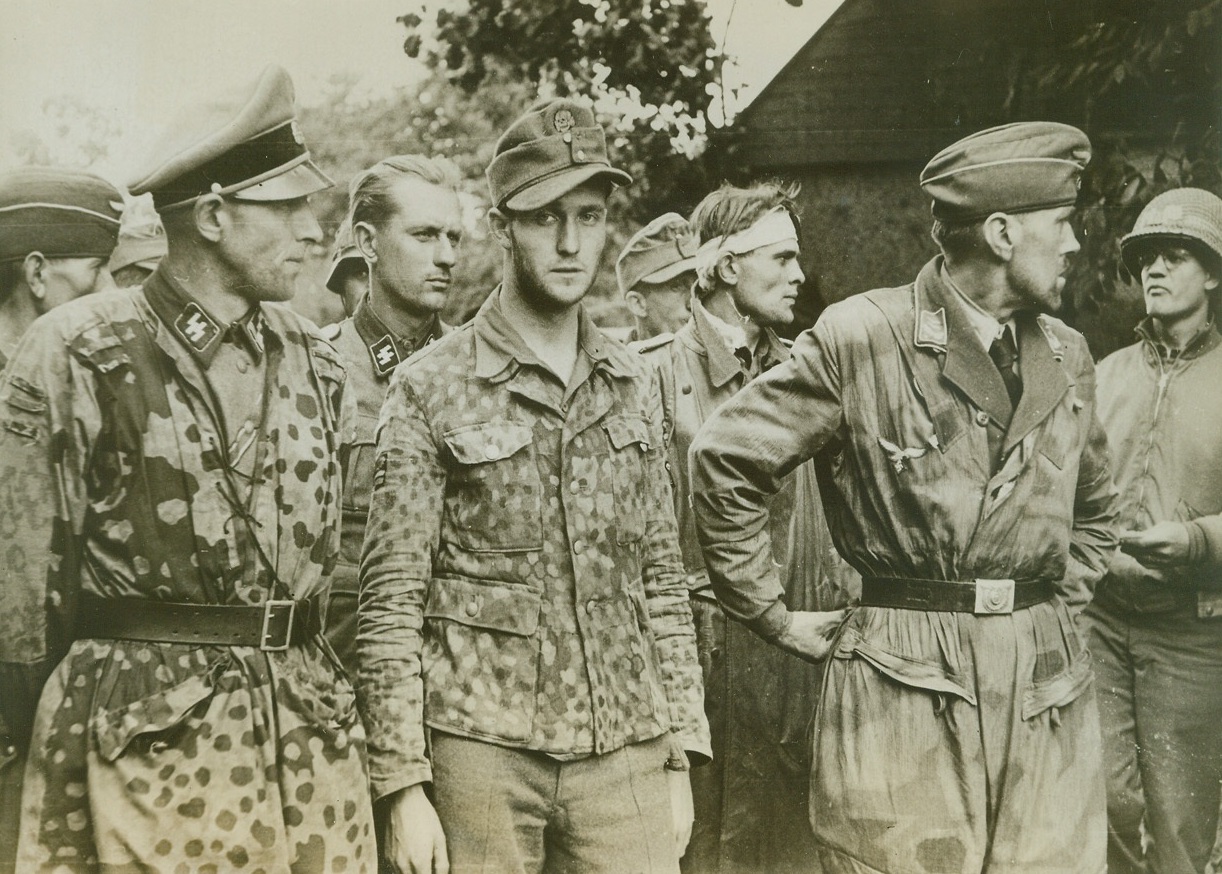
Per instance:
{"type": "Point", "coordinates": [629, 439]}
{"type": "Point", "coordinates": [494, 493]}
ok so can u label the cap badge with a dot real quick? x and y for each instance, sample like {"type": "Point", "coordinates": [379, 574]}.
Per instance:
{"type": "Point", "coordinates": [196, 327]}
{"type": "Point", "coordinates": [563, 121]}
{"type": "Point", "coordinates": [296, 129]}
{"type": "Point", "coordinates": [385, 356]}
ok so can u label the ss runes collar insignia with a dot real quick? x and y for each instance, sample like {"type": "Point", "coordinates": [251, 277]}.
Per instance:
{"type": "Point", "coordinates": [196, 327]}
{"type": "Point", "coordinates": [385, 356]}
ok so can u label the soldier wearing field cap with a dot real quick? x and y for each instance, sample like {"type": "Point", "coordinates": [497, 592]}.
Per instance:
{"type": "Point", "coordinates": [1156, 621]}
{"type": "Point", "coordinates": [957, 728]}
{"type": "Point", "coordinates": [141, 246]}
{"type": "Point", "coordinates": [57, 229]}
{"type": "Point", "coordinates": [655, 273]}
{"type": "Point", "coordinates": [172, 454]}
{"type": "Point", "coordinates": [349, 274]}
{"type": "Point", "coordinates": [522, 597]}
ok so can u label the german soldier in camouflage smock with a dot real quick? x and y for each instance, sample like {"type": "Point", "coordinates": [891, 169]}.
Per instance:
{"type": "Point", "coordinates": [522, 596]}
{"type": "Point", "coordinates": [57, 228]}
{"type": "Point", "coordinates": [957, 728]}
{"type": "Point", "coordinates": [174, 457]}
{"type": "Point", "coordinates": [406, 224]}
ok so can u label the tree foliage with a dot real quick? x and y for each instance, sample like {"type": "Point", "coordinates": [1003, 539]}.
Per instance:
{"type": "Point", "coordinates": [1146, 81]}
{"type": "Point", "coordinates": [649, 66]}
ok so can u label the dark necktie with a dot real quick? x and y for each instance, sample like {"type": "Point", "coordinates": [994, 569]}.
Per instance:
{"type": "Point", "coordinates": [1004, 354]}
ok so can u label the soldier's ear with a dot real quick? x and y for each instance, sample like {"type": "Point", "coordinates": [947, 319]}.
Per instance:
{"type": "Point", "coordinates": [727, 269]}
{"type": "Point", "coordinates": [498, 222]}
{"type": "Point", "coordinates": [34, 272]}
{"type": "Point", "coordinates": [365, 235]}
{"type": "Point", "coordinates": [211, 220]}
{"type": "Point", "coordinates": [635, 301]}
{"type": "Point", "coordinates": [1000, 233]}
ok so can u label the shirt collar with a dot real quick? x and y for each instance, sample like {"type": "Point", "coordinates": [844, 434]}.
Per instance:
{"type": "Point", "coordinates": [721, 341]}
{"type": "Point", "coordinates": [985, 326]}
{"type": "Point", "coordinates": [500, 349]}
{"type": "Point", "coordinates": [1204, 340]}
{"type": "Point", "coordinates": [386, 350]}
{"type": "Point", "coordinates": [195, 327]}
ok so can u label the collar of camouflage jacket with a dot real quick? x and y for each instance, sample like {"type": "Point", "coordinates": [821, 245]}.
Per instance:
{"type": "Point", "coordinates": [195, 327]}
{"type": "Point", "coordinates": [500, 349]}
{"type": "Point", "coordinates": [385, 349]}
{"type": "Point", "coordinates": [724, 365]}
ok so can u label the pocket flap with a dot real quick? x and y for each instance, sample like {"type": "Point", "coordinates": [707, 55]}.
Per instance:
{"type": "Point", "coordinates": [903, 669]}
{"type": "Point", "coordinates": [623, 431]}
{"type": "Point", "coordinates": [1058, 690]}
{"type": "Point", "coordinates": [487, 441]}
{"type": "Point", "coordinates": [493, 605]}
{"type": "Point", "coordinates": [115, 729]}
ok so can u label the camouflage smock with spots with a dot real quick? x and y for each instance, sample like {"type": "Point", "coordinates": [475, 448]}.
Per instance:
{"type": "Point", "coordinates": [521, 581]}
{"type": "Point", "coordinates": [155, 756]}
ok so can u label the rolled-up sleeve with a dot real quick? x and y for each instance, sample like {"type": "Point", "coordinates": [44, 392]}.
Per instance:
{"type": "Point", "coordinates": [738, 459]}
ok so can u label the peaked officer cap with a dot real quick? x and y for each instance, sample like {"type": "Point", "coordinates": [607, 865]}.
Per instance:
{"type": "Point", "coordinates": [245, 145]}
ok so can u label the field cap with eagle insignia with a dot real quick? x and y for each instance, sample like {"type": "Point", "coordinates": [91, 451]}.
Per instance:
{"type": "Point", "coordinates": [1014, 168]}
{"type": "Point", "coordinates": [556, 146]}
{"type": "Point", "coordinates": [246, 146]}
{"type": "Point", "coordinates": [58, 212]}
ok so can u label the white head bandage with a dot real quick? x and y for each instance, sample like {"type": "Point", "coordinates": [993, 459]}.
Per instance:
{"type": "Point", "coordinates": [773, 227]}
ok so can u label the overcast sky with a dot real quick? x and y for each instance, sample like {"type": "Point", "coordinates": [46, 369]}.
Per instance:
{"type": "Point", "coordinates": [138, 60]}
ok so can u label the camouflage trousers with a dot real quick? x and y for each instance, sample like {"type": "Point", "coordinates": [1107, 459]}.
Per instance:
{"type": "Point", "coordinates": [166, 757]}
{"type": "Point", "coordinates": [958, 744]}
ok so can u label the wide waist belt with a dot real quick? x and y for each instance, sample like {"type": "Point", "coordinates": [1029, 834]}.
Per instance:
{"type": "Point", "coordinates": [271, 626]}
{"type": "Point", "coordinates": [985, 597]}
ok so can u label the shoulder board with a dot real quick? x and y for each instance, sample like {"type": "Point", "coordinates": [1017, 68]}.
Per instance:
{"type": "Point", "coordinates": [655, 342]}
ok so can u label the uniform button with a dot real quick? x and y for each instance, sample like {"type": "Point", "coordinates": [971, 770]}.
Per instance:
{"type": "Point", "coordinates": [472, 608]}
{"type": "Point", "coordinates": [243, 366]}
{"type": "Point", "coordinates": [579, 547]}
{"type": "Point", "coordinates": [687, 389]}
{"type": "Point", "coordinates": [1209, 610]}
{"type": "Point", "coordinates": [574, 487]}
{"type": "Point", "coordinates": [491, 451]}
{"type": "Point", "coordinates": [591, 605]}
{"type": "Point", "coordinates": [581, 154]}
{"type": "Point", "coordinates": [982, 418]}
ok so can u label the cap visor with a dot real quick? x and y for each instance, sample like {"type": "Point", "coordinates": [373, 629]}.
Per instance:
{"type": "Point", "coordinates": [300, 180]}
{"type": "Point", "coordinates": [670, 271]}
{"type": "Point", "coordinates": [554, 187]}
{"type": "Point", "coordinates": [341, 270]}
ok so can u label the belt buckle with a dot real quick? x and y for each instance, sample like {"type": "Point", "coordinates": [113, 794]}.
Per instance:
{"type": "Point", "coordinates": [994, 597]}
{"type": "Point", "coordinates": [270, 609]}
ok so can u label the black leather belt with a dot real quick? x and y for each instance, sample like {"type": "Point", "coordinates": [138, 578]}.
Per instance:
{"type": "Point", "coordinates": [983, 597]}
{"type": "Point", "coordinates": [271, 626]}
